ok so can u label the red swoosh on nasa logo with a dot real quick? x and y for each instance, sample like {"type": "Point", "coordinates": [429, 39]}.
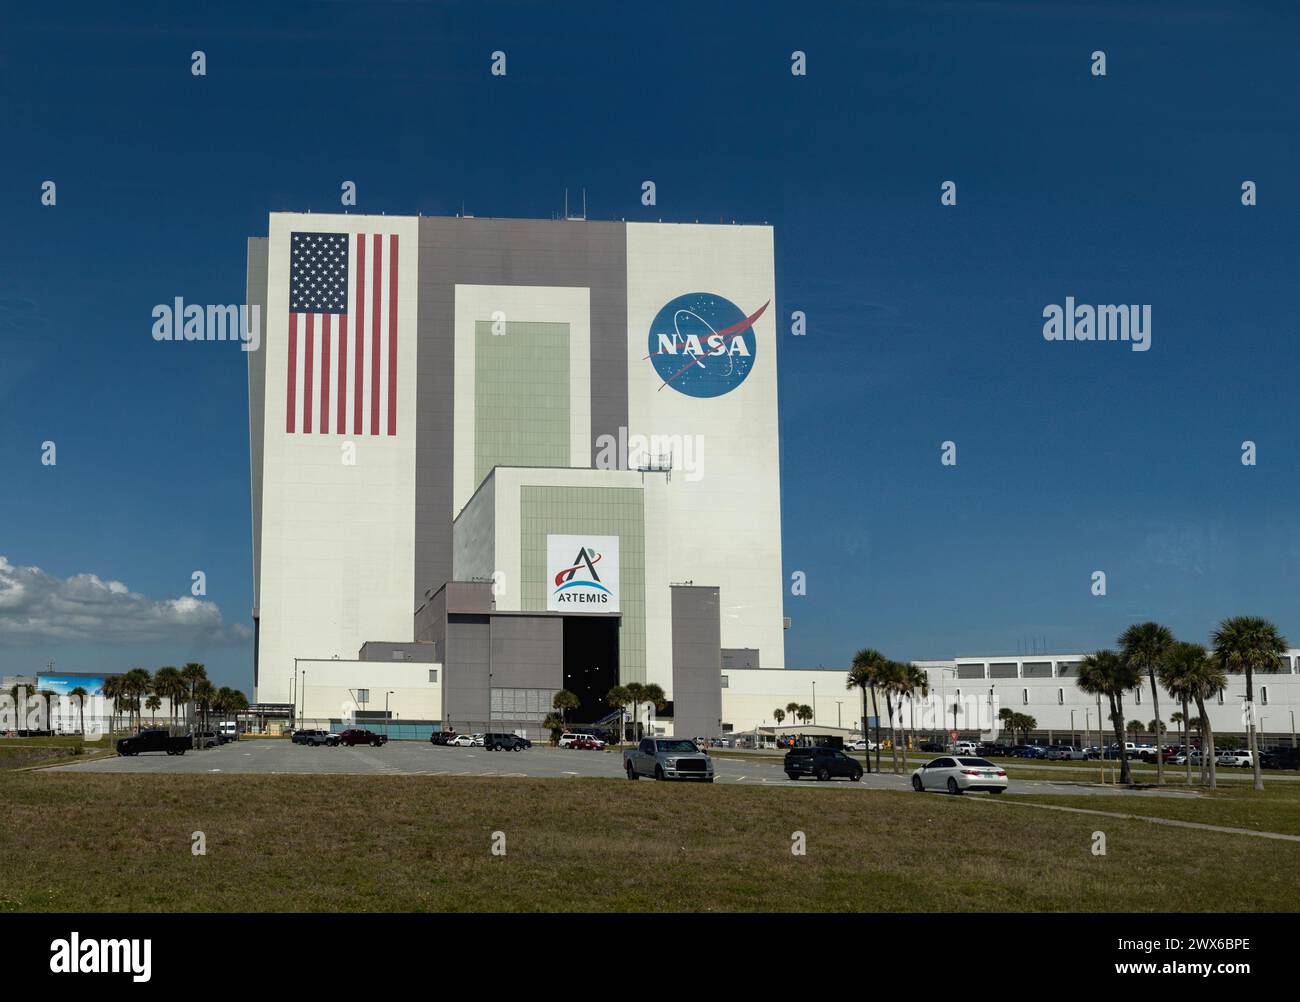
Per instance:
{"type": "Point", "coordinates": [727, 333]}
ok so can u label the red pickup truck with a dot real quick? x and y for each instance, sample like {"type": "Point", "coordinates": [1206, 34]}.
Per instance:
{"type": "Point", "coordinates": [361, 736]}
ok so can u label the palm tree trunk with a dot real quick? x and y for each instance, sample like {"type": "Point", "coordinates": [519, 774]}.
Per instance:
{"type": "Point", "coordinates": [1117, 718]}
{"type": "Point", "coordinates": [875, 706]}
{"type": "Point", "coordinates": [864, 724]}
{"type": "Point", "coordinates": [893, 734]}
{"type": "Point", "coordinates": [1207, 744]}
{"type": "Point", "coordinates": [1155, 708]}
{"type": "Point", "coordinates": [1187, 741]}
{"type": "Point", "coordinates": [1253, 741]}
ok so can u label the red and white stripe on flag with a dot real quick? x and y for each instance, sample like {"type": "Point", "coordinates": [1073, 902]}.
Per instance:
{"type": "Point", "coordinates": [342, 363]}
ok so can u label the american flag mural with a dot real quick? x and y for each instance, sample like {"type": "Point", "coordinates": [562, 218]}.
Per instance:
{"type": "Point", "coordinates": [342, 372]}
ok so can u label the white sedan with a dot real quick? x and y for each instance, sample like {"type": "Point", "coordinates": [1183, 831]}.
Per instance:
{"type": "Point", "coordinates": [957, 774]}
{"type": "Point", "coordinates": [462, 741]}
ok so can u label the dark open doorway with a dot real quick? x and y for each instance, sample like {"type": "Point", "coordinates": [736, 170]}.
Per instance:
{"type": "Point", "coordinates": [590, 664]}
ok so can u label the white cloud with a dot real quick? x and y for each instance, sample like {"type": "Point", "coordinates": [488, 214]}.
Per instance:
{"type": "Point", "coordinates": [39, 607]}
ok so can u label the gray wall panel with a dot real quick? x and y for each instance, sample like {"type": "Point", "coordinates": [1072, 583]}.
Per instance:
{"type": "Point", "coordinates": [697, 661]}
{"type": "Point", "coordinates": [504, 252]}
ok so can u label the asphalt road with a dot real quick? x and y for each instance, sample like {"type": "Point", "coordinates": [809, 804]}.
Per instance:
{"type": "Point", "coordinates": [416, 758]}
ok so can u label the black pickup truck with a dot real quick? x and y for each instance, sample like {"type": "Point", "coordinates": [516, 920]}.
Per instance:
{"type": "Point", "coordinates": [156, 740]}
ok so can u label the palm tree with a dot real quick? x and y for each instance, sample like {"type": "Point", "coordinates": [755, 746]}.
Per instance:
{"type": "Point", "coordinates": [1006, 717]}
{"type": "Point", "coordinates": [778, 715]}
{"type": "Point", "coordinates": [805, 713]}
{"type": "Point", "coordinates": [636, 696]}
{"type": "Point", "coordinates": [565, 701]}
{"type": "Point", "coordinates": [1249, 644]}
{"type": "Point", "coordinates": [555, 724]}
{"type": "Point", "coordinates": [1026, 723]}
{"type": "Point", "coordinates": [868, 667]}
{"type": "Point", "coordinates": [1191, 674]}
{"type": "Point", "coordinates": [79, 694]}
{"type": "Point", "coordinates": [1105, 673]}
{"type": "Point", "coordinates": [192, 674]}
{"type": "Point", "coordinates": [113, 690]}
{"type": "Point", "coordinates": [895, 682]}
{"type": "Point", "coordinates": [153, 704]}
{"type": "Point", "coordinates": [167, 682]}
{"type": "Point", "coordinates": [136, 683]}
{"type": "Point", "coordinates": [918, 680]}
{"type": "Point", "coordinates": [618, 698]}
{"type": "Point", "coordinates": [792, 709]}
{"type": "Point", "coordinates": [204, 693]}
{"type": "Point", "coordinates": [1143, 645]}
{"type": "Point", "coordinates": [1135, 728]}
{"type": "Point", "coordinates": [1180, 662]}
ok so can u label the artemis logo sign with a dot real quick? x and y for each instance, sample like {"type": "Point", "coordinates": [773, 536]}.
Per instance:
{"type": "Point", "coordinates": [102, 956]}
{"type": "Point", "coordinates": [582, 573]}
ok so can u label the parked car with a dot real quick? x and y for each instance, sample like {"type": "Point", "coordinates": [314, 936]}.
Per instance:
{"type": "Point", "coordinates": [1029, 751]}
{"type": "Point", "coordinates": [315, 737]}
{"type": "Point", "coordinates": [964, 748]}
{"type": "Point", "coordinates": [461, 741]}
{"type": "Point", "coordinates": [477, 740]}
{"type": "Point", "coordinates": [1279, 758]}
{"type": "Point", "coordinates": [502, 741]}
{"type": "Point", "coordinates": [1065, 753]}
{"type": "Point", "coordinates": [361, 736]}
{"type": "Point", "coordinates": [441, 737]}
{"type": "Point", "coordinates": [205, 739]}
{"type": "Point", "coordinates": [957, 774]}
{"type": "Point", "coordinates": [570, 739]}
{"type": "Point", "coordinates": [988, 748]}
{"type": "Point", "coordinates": [1182, 758]}
{"type": "Point", "coordinates": [824, 763]}
{"type": "Point", "coordinates": [154, 740]}
{"type": "Point", "coordinates": [668, 758]}
{"type": "Point", "coordinates": [1239, 757]}
{"type": "Point", "coordinates": [931, 746]}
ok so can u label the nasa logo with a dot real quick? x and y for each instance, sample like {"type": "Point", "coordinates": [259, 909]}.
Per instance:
{"type": "Point", "coordinates": [702, 344]}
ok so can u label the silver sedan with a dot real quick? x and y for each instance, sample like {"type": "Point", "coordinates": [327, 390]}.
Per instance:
{"type": "Point", "coordinates": [957, 774]}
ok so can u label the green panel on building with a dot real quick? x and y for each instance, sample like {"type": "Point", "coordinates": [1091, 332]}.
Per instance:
{"type": "Point", "coordinates": [521, 395]}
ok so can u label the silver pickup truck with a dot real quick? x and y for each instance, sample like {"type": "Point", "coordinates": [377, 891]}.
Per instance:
{"type": "Point", "coordinates": [668, 758]}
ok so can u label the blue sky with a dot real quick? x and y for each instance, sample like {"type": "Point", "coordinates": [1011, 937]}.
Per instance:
{"type": "Point", "coordinates": [925, 322]}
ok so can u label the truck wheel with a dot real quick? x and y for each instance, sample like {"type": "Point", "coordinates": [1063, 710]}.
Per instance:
{"type": "Point", "coordinates": [659, 773]}
{"type": "Point", "coordinates": [631, 773]}
{"type": "Point", "coordinates": [794, 776]}
{"type": "Point", "coordinates": [823, 774]}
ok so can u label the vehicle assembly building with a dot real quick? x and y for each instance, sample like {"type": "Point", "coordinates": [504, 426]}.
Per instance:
{"type": "Point", "coordinates": [505, 457]}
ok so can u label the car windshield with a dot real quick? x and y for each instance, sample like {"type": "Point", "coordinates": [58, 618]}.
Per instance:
{"type": "Point", "coordinates": [677, 746]}
{"type": "Point", "coordinates": [976, 762]}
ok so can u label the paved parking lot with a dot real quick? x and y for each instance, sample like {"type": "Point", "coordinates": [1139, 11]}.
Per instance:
{"type": "Point", "coordinates": [419, 758]}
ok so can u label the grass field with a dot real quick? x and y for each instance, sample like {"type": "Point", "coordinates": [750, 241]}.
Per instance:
{"type": "Point", "coordinates": [20, 753]}
{"type": "Point", "coordinates": [1275, 809]}
{"type": "Point", "coordinates": [398, 843]}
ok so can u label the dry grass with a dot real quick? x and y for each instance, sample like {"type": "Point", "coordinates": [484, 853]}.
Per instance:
{"type": "Point", "coordinates": [414, 843]}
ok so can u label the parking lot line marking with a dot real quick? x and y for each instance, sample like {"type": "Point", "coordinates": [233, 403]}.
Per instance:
{"type": "Point", "coordinates": [1155, 821]}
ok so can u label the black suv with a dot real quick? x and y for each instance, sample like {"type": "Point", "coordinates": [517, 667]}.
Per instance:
{"type": "Point", "coordinates": [505, 742]}
{"type": "Point", "coordinates": [822, 763]}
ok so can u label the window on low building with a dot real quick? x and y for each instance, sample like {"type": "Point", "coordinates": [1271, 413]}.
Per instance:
{"type": "Point", "coordinates": [363, 695]}
{"type": "Point", "coordinates": [433, 675]}
{"type": "Point", "coordinates": [1024, 696]}
{"type": "Point", "coordinates": [1060, 697]}
{"type": "Point", "coordinates": [726, 682]}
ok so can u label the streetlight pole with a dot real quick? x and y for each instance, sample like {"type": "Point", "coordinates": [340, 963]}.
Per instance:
{"type": "Point", "coordinates": [1293, 730]}
{"type": "Point", "coordinates": [1072, 730]}
{"type": "Point", "coordinates": [814, 706]}
{"type": "Point", "coordinates": [839, 713]}
{"type": "Point", "coordinates": [303, 719]}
